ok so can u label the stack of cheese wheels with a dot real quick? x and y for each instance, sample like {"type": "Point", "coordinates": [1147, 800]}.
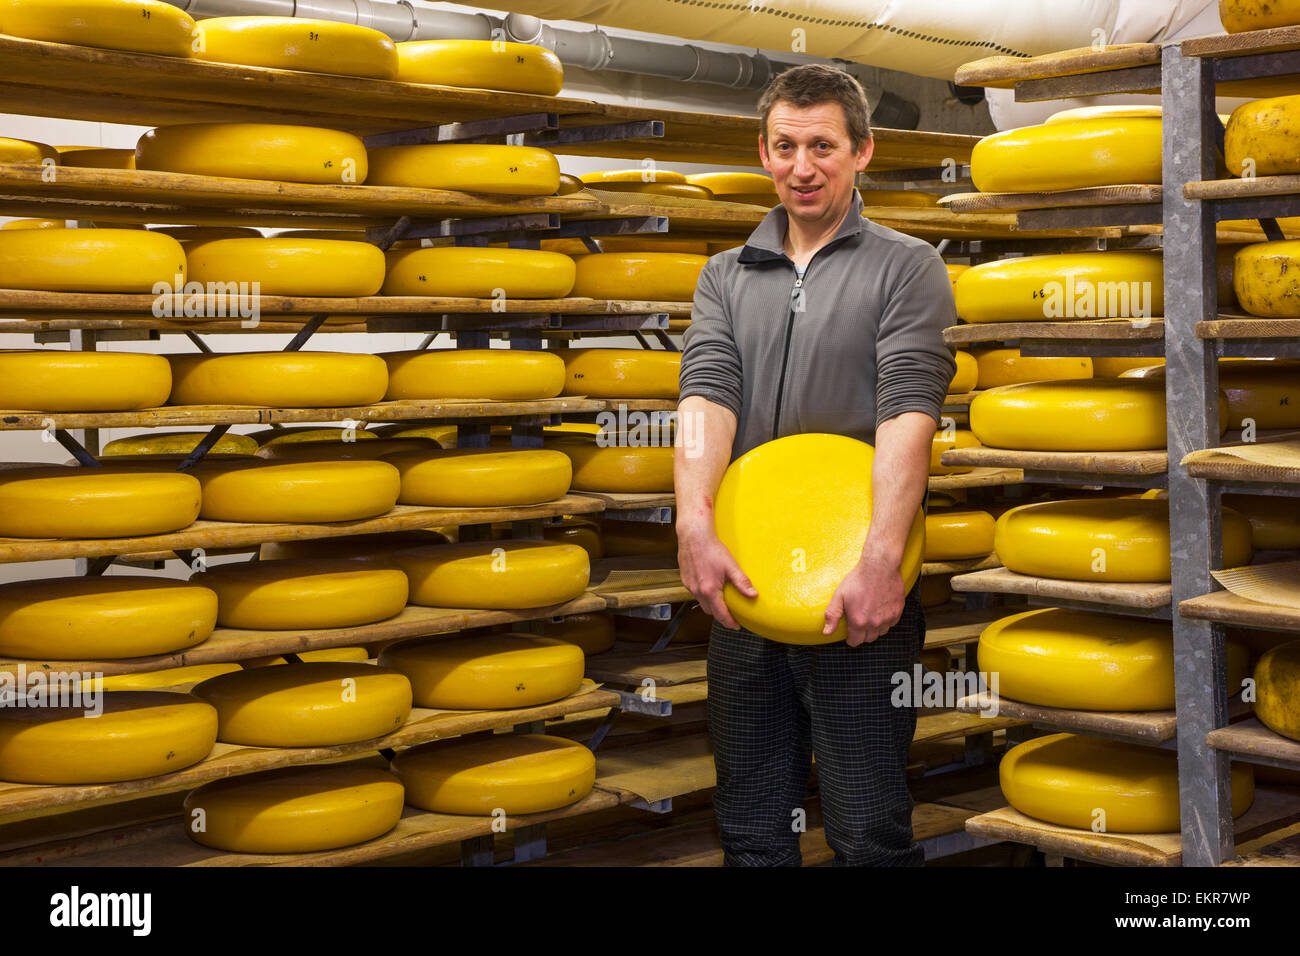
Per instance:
{"type": "Point", "coordinates": [1085, 285]}
{"type": "Point", "coordinates": [180, 678]}
{"type": "Point", "coordinates": [751, 188]}
{"type": "Point", "coordinates": [652, 276]}
{"type": "Point", "coordinates": [486, 168]}
{"type": "Point", "coordinates": [291, 154]}
{"type": "Point", "coordinates": [1081, 660]}
{"type": "Point", "coordinates": [340, 450]}
{"type": "Point", "coordinates": [479, 272]}
{"type": "Point", "coordinates": [31, 154]}
{"type": "Point", "coordinates": [278, 379]}
{"type": "Point", "coordinates": [1102, 539]}
{"type": "Point", "coordinates": [491, 374]}
{"type": "Point", "coordinates": [1262, 277]}
{"type": "Point", "coordinates": [291, 43]}
{"type": "Point", "coordinates": [1277, 681]}
{"type": "Point", "coordinates": [1116, 147]}
{"type": "Point", "coordinates": [652, 182]}
{"type": "Point", "coordinates": [966, 376]}
{"type": "Point", "coordinates": [136, 734]}
{"type": "Point", "coordinates": [1266, 393]}
{"type": "Point", "coordinates": [137, 26]}
{"type": "Point", "coordinates": [574, 529]}
{"type": "Point", "coordinates": [482, 477]}
{"type": "Point", "coordinates": [1274, 522]}
{"type": "Point", "coordinates": [304, 594]}
{"type": "Point", "coordinates": [1258, 137]}
{"type": "Point", "coordinates": [695, 628]}
{"type": "Point", "coordinates": [487, 671]}
{"type": "Point", "coordinates": [897, 197]}
{"type": "Point", "coordinates": [495, 575]}
{"type": "Point", "coordinates": [1106, 366]}
{"type": "Point", "coordinates": [295, 809]}
{"type": "Point", "coordinates": [106, 502]}
{"type": "Point", "coordinates": [1241, 16]}
{"type": "Point", "coordinates": [315, 267]}
{"type": "Point", "coordinates": [594, 633]}
{"type": "Point", "coordinates": [611, 463]}
{"type": "Point", "coordinates": [89, 260]}
{"type": "Point", "coordinates": [948, 439]}
{"type": "Point", "coordinates": [482, 776]}
{"type": "Point", "coordinates": [318, 704]}
{"type": "Point", "coordinates": [957, 535]}
{"type": "Point", "coordinates": [481, 64]}
{"type": "Point", "coordinates": [794, 513]}
{"type": "Point", "coordinates": [1103, 785]}
{"type": "Point", "coordinates": [103, 618]}
{"type": "Point", "coordinates": [98, 157]}
{"type": "Point", "coordinates": [625, 538]}
{"type": "Point", "coordinates": [621, 373]}
{"type": "Point", "coordinates": [310, 491]}
{"type": "Point", "coordinates": [996, 367]}
{"type": "Point", "coordinates": [177, 443]}
{"type": "Point", "coordinates": [50, 380]}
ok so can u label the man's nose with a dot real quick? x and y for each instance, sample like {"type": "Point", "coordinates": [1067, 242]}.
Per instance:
{"type": "Point", "coordinates": [803, 167]}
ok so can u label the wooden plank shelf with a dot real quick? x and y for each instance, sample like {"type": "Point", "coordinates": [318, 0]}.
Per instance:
{"type": "Point", "coordinates": [225, 534]}
{"type": "Point", "coordinates": [646, 596]}
{"type": "Point", "coordinates": [1282, 853]}
{"type": "Point", "coordinates": [628, 664]}
{"type": "Point", "coordinates": [952, 629]}
{"type": "Point", "coordinates": [1133, 463]}
{"type": "Point", "coordinates": [1210, 190]}
{"type": "Point", "coordinates": [1224, 607]}
{"type": "Point", "coordinates": [960, 567]}
{"type": "Point", "coordinates": [1230, 327]}
{"type": "Point", "coordinates": [1101, 594]}
{"type": "Point", "coordinates": [1005, 72]}
{"type": "Point", "coordinates": [625, 501]}
{"type": "Point", "coordinates": [1272, 810]}
{"type": "Point", "coordinates": [1251, 741]}
{"type": "Point", "coordinates": [1092, 196]}
{"type": "Point", "coordinates": [1154, 727]}
{"type": "Point", "coordinates": [977, 478]}
{"type": "Point", "coordinates": [938, 222]}
{"type": "Point", "coordinates": [1083, 332]}
{"type": "Point", "coordinates": [685, 216]}
{"type": "Point", "coordinates": [1275, 40]}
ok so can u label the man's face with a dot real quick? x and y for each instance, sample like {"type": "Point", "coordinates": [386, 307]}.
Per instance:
{"type": "Point", "coordinates": [812, 161]}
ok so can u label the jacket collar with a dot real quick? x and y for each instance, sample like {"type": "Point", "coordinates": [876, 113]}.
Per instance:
{"type": "Point", "coordinates": [767, 242]}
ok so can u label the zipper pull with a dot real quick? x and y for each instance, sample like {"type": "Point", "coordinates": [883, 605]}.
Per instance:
{"type": "Point", "coordinates": [798, 283]}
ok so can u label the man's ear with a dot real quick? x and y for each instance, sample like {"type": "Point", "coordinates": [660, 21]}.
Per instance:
{"type": "Point", "coordinates": [762, 153]}
{"type": "Point", "coordinates": [864, 154]}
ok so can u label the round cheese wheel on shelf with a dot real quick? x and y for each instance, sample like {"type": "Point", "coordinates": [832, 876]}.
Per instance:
{"type": "Point", "coordinates": [103, 618]}
{"type": "Point", "coordinates": [1274, 522]}
{"type": "Point", "coordinates": [652, 276]}
{"type": "Point", "coordinates": [282, 436]}
{"type": "Point", "coordinates": [1241, 16]}
{"type": "Point", "coordinates": [914, 198]}
{"type": "Point", "coordinates": [98, 158]}
{"type": "Point", "coordinates": [967, 374]}
{"type": "Point", "coordinates": [316, 704]}
{"type": "Point", "coordinates": [621, 373]}
{"type": "Point", "coordinates": [294, 809]}
{"type": "Point", "coordinates": [736, 187]}
{"type": "Point", "coordinates": [344, 450]}
{"type": "Point", "coordinates": [475, 168]}
{"type": "Point", "coordinates": [159, 680]}
{"type": "Point", "coordinates": [1258, 137]}
{"type": "Point", "coordinates": [89, 260]}
{"type": "Point", "coordinates": [304, 267]}
{"type": "Point", "coordinates": [34, 223]}
{"type": "Point", "coordinates": [137, 26]}
{"type": "Point", "coordinates": [1277, 682]}
{"type": "Point", "coordinates": [794, 513]}
{"type": "Point", "coordinates": [948, 440]}
{"type": "Point", "coordinates": [311, 491]}
{"type": "Point", "coordinates": [935, 589]}
{"type": "Point", "coordinates": [996, 367]}
{"type": "Point", "coordinates": [568, 186]}
{"type": "Point", "coordinates": [491, 374]}
{"type": "Point", "coordinates": [594, 633]}
{"type": "Point", "coordinates": [636, 469]}
{"type": "Point", "coordinates": [574, 529]}
{"type": "Point", "coordinates": [137, 734]}
{"type": "Point", "coordinates": [495, 575]}
{"type": "Point", "coordinates": [1078, 781]}
{"type": "Point", "coordinates": [1107, 111]}
{"type": "Point", "coordinates": [352, 654]}
{"type": "Point", "coordinates": [26, 152]}
{"type": "Point", "coordinates": [291, 154]}
{"type": "Point", "coordinates": [177, 443]}
{"type": "Point", "coordinates": [58, 380]}
{"type": "Point", "coordinates": [481, 65]}
{"type": "Point", "coordinates": [678, 190]}
{"type": "Point", "coordinates": [278, 379]}
{"type": "Point", "coordinates": [955, 271]}
{"type": "Point", "coordinates": [958, 535]}
{"type": "Point", "coordinates": [479, 272]}
{"type": "Point", "coordinates": [102, 502]}
{"type": "Point", "coordinates": [1073, 154]}
{"type": "Point", "coordinates": [1107, 366]}
{"type": "Point", "coordinates": [487, 671]}
{"type": "Point", "coordinates": [1083, 285]}
{"type": "Point", "coordinates": [270, 595]}
{"type": "Point", "coordinates": [482, 477]}
{"type": "Point", "coordinates": [293, 43]}
{"type": "Point", "coordinates": [1267, 393]}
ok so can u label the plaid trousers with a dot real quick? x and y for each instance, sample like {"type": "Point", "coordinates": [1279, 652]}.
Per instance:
{"type": "Point", "coordinates": [772, 706]}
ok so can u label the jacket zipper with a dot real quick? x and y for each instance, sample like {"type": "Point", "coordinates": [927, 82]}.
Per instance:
{"type": "Point", "coordinates": [789, 332]}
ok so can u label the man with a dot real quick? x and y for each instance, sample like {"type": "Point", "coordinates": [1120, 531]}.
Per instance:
{"type": "Point", "coordinates": [822, 322]}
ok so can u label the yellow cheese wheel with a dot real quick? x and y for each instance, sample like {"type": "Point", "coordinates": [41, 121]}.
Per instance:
{"type": "Point", "coordinates": [1105, 366]}
{"type": "Point", "coordinates": [89, 260]}
{"type": "Point", "coordinates": [1264, 277]}
{"type": "Point", "coordinates": [1008, 367]}
{"type": "Point", "coordinates": [1104, 151]}
{"type": "Point", "coordinates": [898, 197]}
{"type": "Point", "coordinates": [318, 704]}
{"type": "Point", "coordinates": [443, 435]}
{"type": "Point", "coordinates": [617, 468]}
{"type": "Point", "coordinates": [1274, 522]}
{"type": "Point", "coordinates": [957, 535]}
{"type": "Point", "coordinates": [482, 477]}
{"type": "Point", "coordinates": [652, 276]}
{"type": "Point", "coordinates": [1267, 393]}
{"type": "Point", "coordinates": [1277, 684]}
{"type": "Point", "coordinates": [1240, 16]}
{"type": "Point", "coordinates": [947, 441]}
{"type": "Point", "coordinates": [26, 152]}
{"type": "Point", "coordinates": [492, 374]}
{"type": "Point", "coordinates": [479, 273]}
{"type": "Point", "coordinates": [285, 436]}
{"type": "Point", "coordinates": [475, 168]}
{"type": "Point", "coordinates": [935, 589]}
{"type": "Point", "coordinates": [954, 271]}
{"type": "Point", "coordinates": [58, 380]}
{"type": "Point", "coordinates": [98, 158]}
{"type": "Point", "coordinates": [604, 177]}
{"type": "Point", "coordinates": [1094, 415]}
{"type": "Point", "coordinates": [309, 491]}
{"type": "Point", "coordinates": [594, 633]}
{"type": "Point", "coordinates": [481, 64]}
{"type": "Point", "coordinates": [480, 776]}
{"type": "Point", "coordinates": [292, 43]}
{"type": "Point", "coordinates": [749, 185]}
{"type": "Point", "coordinates": [1108, 111]}
{"type": "Point", "coordinates": [967, 374]}
{"type": "Point", "coordinates": [138, 26]}
{"type": "Point", "coordinates": [340, 450]}
{"type": "Point", "coordinates": [568, 186]}
{"type": "Point", "coordinates": [1259, 136]}
{"type": "Point", "coordinates": [487, 671]}
{"type": "Point", "coordinates": [177, 443]}
{"type": "Point", "coordinates": [1067, 779]}
{"type": "Point", "coordinates": [354, 654]}
{"type": "Point", "coordinates": [794, 513]}
{"type": "Point", "coordinates": [138, 734]}
{"type": "Point", "coordinates": [583, 532]}
{"type": "Point", "coordinates": [1082, 285]}
{"type": "Point", "coordinates": [33, 223]}
{"type": "Point", "coordinates": [621, 373]}
{"type": "Point", "coordinates": [303, 594]}
{"type": "Point", "coordinates": [625, 538]}
{"type": "Point", "coordinates": [292, 154]}
{"type": "Point", "coordinates": [158, 680]}
{"type": "Point", "coordinates": [278, 379]}
{"type": "Point", "coordinates": [294, 809]}
{"type": "Point", "coordinates": [495, 575]}
{"type": "Point", "coordinates": [1101, 539]}
{"type": "Point", "coordinates": [103, 618]}
{"type": "Point", "coordinates": [314, 267]}
{"type": "Point", "coordinates": [104, 502]}
{"type": "Point", "coordinates": [1081, 660]}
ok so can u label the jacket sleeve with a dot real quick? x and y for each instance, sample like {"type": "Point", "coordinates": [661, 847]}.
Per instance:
{"type": "Point", "coordinates": [710, 359]}
{"type": "Point", "coordinates": [913, 365]}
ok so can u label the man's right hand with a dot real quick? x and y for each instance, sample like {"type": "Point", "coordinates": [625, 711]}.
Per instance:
{"type": "Point", "coordinates": [706, 565]}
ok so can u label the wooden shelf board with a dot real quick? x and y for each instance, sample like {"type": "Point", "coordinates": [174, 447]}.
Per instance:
{"type": "Point", "coordinates": [1282, 853]}
{"type": "Point", "coordinates": [1248, 327]}
{"type": "Point", "coordinates": [1227, 608]}
{"type": "Point", "coordinates": [1004, 72]}
{"type": "Point", "coordinates": [1098, 462]}
{"type": "Point", "coordinates": [1148, 727]}
{"type": "Point", "coordinates": [961, 567]}
{"type": "Point", "coordinates": [961, 627]}
{"type": "Point", "coordinates": [643, 597]}
{"type": "Point", "coordinates": [624, 501]}
{"type": "Point", "coordinates": [1000, 580]}
{"type": "Point", "coordinates": [954, 724]}
{"type": "Point", "coordinates": [938, 222]}
{"type": "Point", "coordinates": [630, 663]}
{"type": "Point", "coordinates": [1233, 188]}
{"type": "Point", "coordinates": [1060, 199]}
{"type": "Point", "coordinates": [977, 478]}
{"type": "Point", "coordinates": [1274, 40]}
{"type": "Point", "coordinates": [634, 572]}
{"type": "Point", "coordinates": [1109, 330]}
{"type": "Point", "coordinates": [1250, 740]}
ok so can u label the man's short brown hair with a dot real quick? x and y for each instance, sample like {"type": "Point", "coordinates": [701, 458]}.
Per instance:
{"type": "Point", "coordinates": [816, 83]}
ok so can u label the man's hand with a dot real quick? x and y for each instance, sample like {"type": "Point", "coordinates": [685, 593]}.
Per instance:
{"type": "Point", "coordinates": [870, 599]}
{"type": "Point", "coordinates": [706, 565]}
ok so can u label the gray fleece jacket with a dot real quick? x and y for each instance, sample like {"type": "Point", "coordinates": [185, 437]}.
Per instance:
{"type": "Point", "coordinates": [854, 343]}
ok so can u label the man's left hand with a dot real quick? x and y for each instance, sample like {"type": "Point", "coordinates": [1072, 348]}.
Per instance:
{"type": "Point", "coordinates": [870, 599]}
